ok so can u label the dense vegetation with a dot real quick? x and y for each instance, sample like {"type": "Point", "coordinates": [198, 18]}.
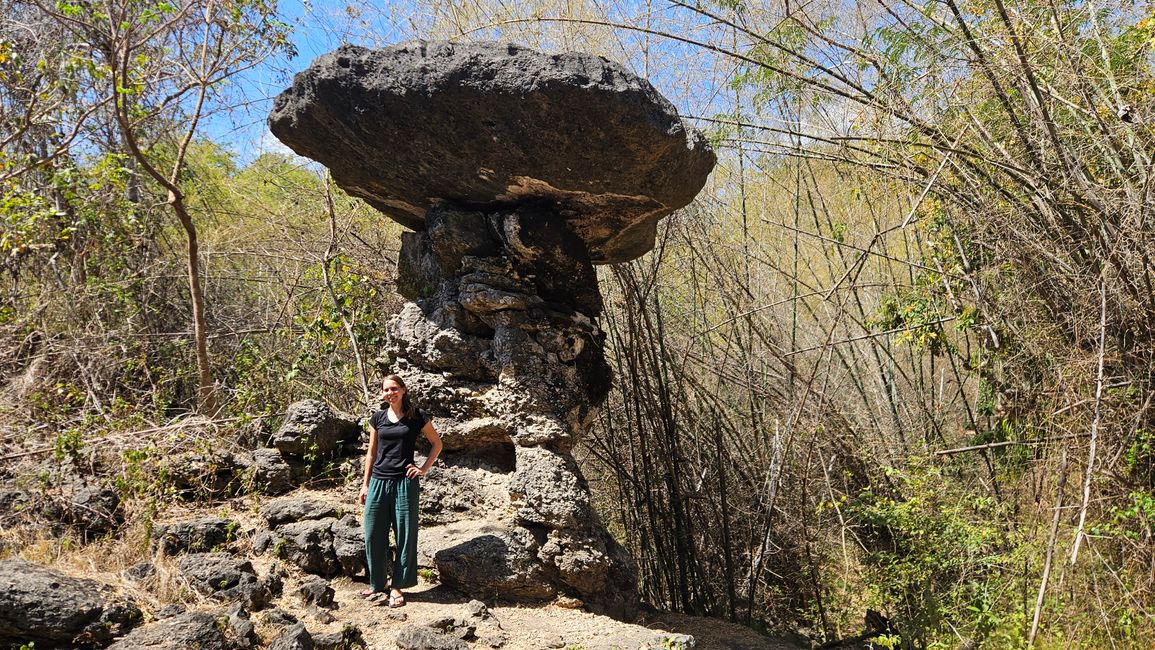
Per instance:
{"type": "Point", "coordinates": [897, 357]}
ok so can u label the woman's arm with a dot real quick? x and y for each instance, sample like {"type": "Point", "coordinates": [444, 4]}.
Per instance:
{"type": "Point", "coordinates": [370, 456]}
{"type": "Point", "coordinates": [435, 445]}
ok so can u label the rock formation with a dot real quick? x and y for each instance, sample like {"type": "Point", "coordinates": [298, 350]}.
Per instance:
{"type": "Point", "coordinates": [518, 172]}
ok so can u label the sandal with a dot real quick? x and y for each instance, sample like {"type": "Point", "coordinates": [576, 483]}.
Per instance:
{"type": "Point", "coordinates": [366, 593]}
{"type": "Point", "coordinates": [397, 601]}
{"type": "Point", "coordinates": [378, 598]}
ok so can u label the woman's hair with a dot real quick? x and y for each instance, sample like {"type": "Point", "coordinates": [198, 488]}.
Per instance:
{"type": "Point", "coordinates": [408, 406]}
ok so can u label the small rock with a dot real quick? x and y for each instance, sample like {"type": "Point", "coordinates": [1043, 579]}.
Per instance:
{"type": "Point", "coordinates": [241, 630]}
{"type": "Point", "coordinates": [415, 637]}
{"type": "Point", "coordinates": [554, 641]}
{"type": "Point", "coordinates": [294, 637]}
{"type": "Point", "coordinates": [193, 536]}
{"type": "Point", "coordinates": [95, 510]}
{"type": "Point", "coordinates": [316, 591]}
{"type": "Point", "coordinates": [455, 627]}
{"type": "Point", "coordinates": [568, 602]}
{"type": "Point", "coordinates": [226, 578]}
{"type": "Point", "coordinates": [349, 637]}
{"type": "Point", "coordinates": [273, 474]}
{"type": "Point", "coordinates": [493, 639]}
{"type": "Point", "coordinates": [169, 611]}
{"type": "Point", "coordinates": [477, 609]}
{"type": "Point", "coordinates": [322, 616]}
{"type": "Point", "coordinates": [140, 571]}
{"type": "Point", "coordinates": [278, 617]}
{"type": "Point", "coordinates": [262, 541]}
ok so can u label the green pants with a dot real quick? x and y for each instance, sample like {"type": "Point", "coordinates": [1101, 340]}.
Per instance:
{"type": "Point", "coordinates": [392, 504]}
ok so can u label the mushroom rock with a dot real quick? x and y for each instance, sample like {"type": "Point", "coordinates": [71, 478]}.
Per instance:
{"type": "Point", "coordinates": [486, 125]}
{"type": "Point", "coordinates": [518, 171]}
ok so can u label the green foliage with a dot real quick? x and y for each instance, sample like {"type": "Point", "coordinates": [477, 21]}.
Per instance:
{"type": "Point", "coordinates": [935, 554]}
{"type": "Point", "coordinates": [68, 445]}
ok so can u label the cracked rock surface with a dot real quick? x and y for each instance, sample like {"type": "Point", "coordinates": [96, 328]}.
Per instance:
{"type": "Point", "coordinates": [489, 124]}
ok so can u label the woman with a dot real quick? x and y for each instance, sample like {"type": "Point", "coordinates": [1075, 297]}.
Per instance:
{"type": "Point", "coordinates": [391, 490]}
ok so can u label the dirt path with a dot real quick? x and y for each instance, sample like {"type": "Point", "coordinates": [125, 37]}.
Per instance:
{"type": "Point", "coordinates": [524, 627]}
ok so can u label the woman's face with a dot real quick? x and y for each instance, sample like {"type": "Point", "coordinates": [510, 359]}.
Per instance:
{"type": "Point", "coordinates": [392, 392]}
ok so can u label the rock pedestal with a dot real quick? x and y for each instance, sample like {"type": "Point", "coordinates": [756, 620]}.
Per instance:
{"type": "Point", "coordinates": [518, 172]}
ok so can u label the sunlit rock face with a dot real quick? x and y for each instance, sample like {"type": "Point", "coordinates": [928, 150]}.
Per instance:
{"type": "Point", "coordinates": [518, 172]}
{"type": "Point", "coordinates": [487, 125]}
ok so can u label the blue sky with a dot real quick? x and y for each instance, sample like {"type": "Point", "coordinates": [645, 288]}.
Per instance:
{"type": "Point", "coordinates": [319, 26]}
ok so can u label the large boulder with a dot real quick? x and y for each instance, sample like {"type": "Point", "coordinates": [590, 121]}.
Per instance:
{"type": "Point", "coordinates": [486, 124]}
{"type": "Point", "coordinates": [50, 608]}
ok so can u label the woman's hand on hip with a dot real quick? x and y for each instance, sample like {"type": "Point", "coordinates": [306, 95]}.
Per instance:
{"type": "Point", "coordinates": [413, 471]}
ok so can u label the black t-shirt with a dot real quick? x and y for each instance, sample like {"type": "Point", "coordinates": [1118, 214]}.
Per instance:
{"type": "Point", "coordinates": [395, 442]}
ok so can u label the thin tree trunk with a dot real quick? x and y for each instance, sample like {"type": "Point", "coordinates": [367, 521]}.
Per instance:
{"type": "Point", "coordinates": [206, 390]}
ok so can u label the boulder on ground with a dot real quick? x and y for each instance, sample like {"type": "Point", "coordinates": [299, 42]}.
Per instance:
{"type": "Point", "coordinates": [294, 637]}
{"type": "Point", "coordinates": [95, 510]}
{"type": "Point", "coordinates": [309, 545]}
{"type": "Point", "coordinates": [349, 545]}
{"type": "Point", "coordinates": [316, 591]}
{"type": "Point", "coordinates": [501, 562]}
{"type": "Point", "coordinates": [272, 474]}
{"type": "Point", "coordinates": [290, 509]}
{"type": "Point", "coordinates": [44, 606]}
{"type": "Point", "coordinates": [228, 579]}
{"type": "Point", "coordinates": [181, 632]}
{"type": "Point", "coordinates": [193, 536]}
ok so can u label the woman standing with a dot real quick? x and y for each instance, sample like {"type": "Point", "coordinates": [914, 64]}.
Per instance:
{"type": "Point", "coordinates": [391, 490]}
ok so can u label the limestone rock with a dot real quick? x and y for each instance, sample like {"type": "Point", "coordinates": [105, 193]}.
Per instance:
{"type": "Point", "coordinates": [227, 579]}
{"type": "Point", "coordinates": [486, 124]}
{"type": "Point", "coordinates": [193, 536]}
{"type": "Point", "coordinates": [47, 607]}
{"type": "Point", "coordinates": [272, 473]}
{"type": "Point", "coordinates": [312, 428]}
{"type": "Point", "coordinates": [414, 637]}
{"type": "Point", "coordinates": [500, 562]}
{"type": "Point", "coordinates": [211, 472]}
{"type": "Point", "coordinates": [294, 637]}
{"type": "Point", "coordinates": [291, 509]}
{"type": "Point", "coordinates": [349, 545]}
{"type": "Point", "coordinates": [95, 510]}
{"type": "Point", "coordinates": [547, 489]}
{"type": "Point", "coordinates": [316, 591]}
{"type": "Point", "coordinates": [349, 637]}
{"type": "Point", "coordinates": [241, 631]}
{"type": "Point", "coordinates": [309, 545]}
{"type": "Point", "coordinates": [180, 632]}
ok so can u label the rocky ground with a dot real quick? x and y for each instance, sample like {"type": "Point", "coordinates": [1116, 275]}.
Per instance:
{"type": "Point", "coordinates": [180, 593]}
{"type": "Point", "coordinates": [254, 548]}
